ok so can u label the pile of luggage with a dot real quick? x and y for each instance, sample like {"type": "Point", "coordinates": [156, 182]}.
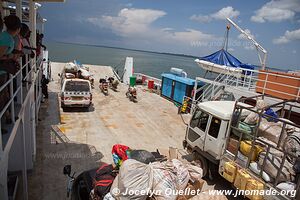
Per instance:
{"type": "Point", "coordinates": [141, 175]}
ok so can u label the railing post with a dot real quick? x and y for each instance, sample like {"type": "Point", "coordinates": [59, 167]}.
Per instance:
{"type": "Point", "coordinates": [250, 79]}
{"type": "Point", "coordinates": [194, 95]}
{"type": "Point", "coordinates": [32, 23]}
{"type": "Point", "coordinates": [24, 171]}
{"type": "Point", "coordinates": [12, 105]}
{"type": "Point", "coordinates": [1, 147]}
{"type": "Point", "coordinates": [19, 78]}
{"type": "Point", "coordinates": [27, 75]}
{"type": "Point", "coordinates": [265, 84]}
{"type": "Point", "coordinates": [3, 176]}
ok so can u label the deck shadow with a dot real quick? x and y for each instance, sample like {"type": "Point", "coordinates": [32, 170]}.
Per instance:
{"type": "Point", "coordinates": [46, 180]}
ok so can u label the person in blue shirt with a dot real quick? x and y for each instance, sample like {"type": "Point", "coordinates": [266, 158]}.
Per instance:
{"type": "Point", "coordinates": [7, 43]}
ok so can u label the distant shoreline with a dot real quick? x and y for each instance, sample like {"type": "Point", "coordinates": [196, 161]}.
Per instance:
{"type": "Point", "coordinates": [153, 52]}
{"type": "Point", "coordinates": [165, 53]}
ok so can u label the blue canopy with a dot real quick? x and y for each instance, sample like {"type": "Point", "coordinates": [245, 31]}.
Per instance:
{"type": "Point", "coordinates": [222, 57]}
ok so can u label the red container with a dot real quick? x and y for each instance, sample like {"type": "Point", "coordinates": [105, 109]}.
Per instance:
{"type": "Point", "coordinates": [150, 84]}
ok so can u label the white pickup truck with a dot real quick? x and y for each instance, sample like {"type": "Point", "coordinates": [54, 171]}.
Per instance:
{"type": "Point", "coordinates": [76, 93]}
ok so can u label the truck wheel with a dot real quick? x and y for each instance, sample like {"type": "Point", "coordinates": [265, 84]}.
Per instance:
{"type": "Point", "coordinates": [200, 160]}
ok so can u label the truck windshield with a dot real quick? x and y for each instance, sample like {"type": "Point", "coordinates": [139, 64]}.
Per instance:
{"type": "Point", "coordinates": [77, 86]}
{"type": "Point", "coordinates": [199, 120]}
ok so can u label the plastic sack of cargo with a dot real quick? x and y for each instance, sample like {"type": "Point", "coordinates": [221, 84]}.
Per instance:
{"type": "Point", "coordinates": [120, 153]}
{"type": "Point", "coordinates": [272, 165]}
{"type": "Point", "coordinates": [292, 146]}
{"type": "Point", "coordinates": [70, 68]}
{"type": "Point", "coordinates": [249, 129]}
{"type": "Point", "coordinates": [271, 131]}
{"type": "Point", "coordinates": [84, 73]}
{"type": "Point", "coordinates": [133, 180]}
{"type": "Point", "coordinates": [270, 143]}
{"type": "Point", "coordinates": [256, 169]}
{"type": "Point", "coordinates": [261, 104]}
{"type": "Point", "coordinates": [195, 172]}
{"type": "Point", "coordinates": [182, 174]}
{"type": "Point", "coordinates": [164, 180]}
{"type": "Point", "coordinates": [252, 118]}
{"type": "Point", "coordinates": [70, 75]}
{"type": "Point", "coordinates": [287, 186]}
{"type": "Point", "coordinates": [108, 196]}
{"type": "Point", "coordinates": [142, 156]}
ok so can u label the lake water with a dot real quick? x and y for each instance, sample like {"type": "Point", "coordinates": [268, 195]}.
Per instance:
{"type": "Point", "coordinates": [153, 64]}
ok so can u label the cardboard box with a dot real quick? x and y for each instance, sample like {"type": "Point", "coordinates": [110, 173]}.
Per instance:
{"type": "Point", "coordinates": [171, 153]}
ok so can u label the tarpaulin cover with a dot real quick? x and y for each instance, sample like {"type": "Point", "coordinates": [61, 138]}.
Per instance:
{"type": "Point", "coordinates": [222, 57]}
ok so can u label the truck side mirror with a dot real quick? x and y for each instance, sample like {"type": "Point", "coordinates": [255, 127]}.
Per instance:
{"type": "Point", "coordinates": [67, 170]}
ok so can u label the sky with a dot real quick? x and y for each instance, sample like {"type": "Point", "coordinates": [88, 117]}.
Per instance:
{"type": "Point", "coordinates": [191, 27]}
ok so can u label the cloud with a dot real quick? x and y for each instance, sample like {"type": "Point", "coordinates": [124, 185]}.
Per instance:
{"type": "Point", "coordinates": [226, 12]}
{"type": "Point", "coordinates": [288, 37]}
{"type": "Point", "coordinates": [294, 51]}
{"type": "Point", "coordinates": [201, 18]}
{"type": "Point", "coordinates": [137, 24]}
{"type": "Point", "coordinates": [130, 21]}
{"type": "Point", "coordinates": [277, 11]}
{"type": "Point", "coordinates": [220, 15]}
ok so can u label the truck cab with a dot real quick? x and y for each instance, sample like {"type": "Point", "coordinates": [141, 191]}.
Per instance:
{"type": "Point", "coordinates": [208, 128]}
{"type": "Point", "coordinates": [208, 131]}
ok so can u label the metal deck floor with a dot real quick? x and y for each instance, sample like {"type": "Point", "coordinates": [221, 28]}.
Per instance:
{"type": "Point", "coordinates": [149, 124]}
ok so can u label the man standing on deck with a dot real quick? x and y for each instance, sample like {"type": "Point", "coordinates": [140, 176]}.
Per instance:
{"type": "Point", "coordinates": [44, 83]}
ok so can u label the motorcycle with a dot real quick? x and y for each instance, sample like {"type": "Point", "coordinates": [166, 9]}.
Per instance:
{"type": "Point", "coordinates": [103, 86]}
{"type": "Point", "coordinates": [132, 94]}
{"type": "Point", "coordinates": [113, 84]}
{"type": "Point", "coordinates": [80, 187]}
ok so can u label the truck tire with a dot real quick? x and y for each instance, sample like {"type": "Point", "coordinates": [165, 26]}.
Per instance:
{"type": "Point", "coordinates": [203, 162]}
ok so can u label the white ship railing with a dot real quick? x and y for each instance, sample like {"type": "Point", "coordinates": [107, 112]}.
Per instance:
{"type": "Point", "coordinates": [27, 94]}
{"type": "Point", "coordinates": [252, 80]}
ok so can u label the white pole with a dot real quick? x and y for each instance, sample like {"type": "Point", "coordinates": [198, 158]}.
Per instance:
{"type": "Point", "coordinates": [19, 9]}
{"type": "Point", "coordinates": [32, 23]}
{"type": "Point", "coordinates": [24, 171]}
{"type": "Point", "coordinates": [20, 76]}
